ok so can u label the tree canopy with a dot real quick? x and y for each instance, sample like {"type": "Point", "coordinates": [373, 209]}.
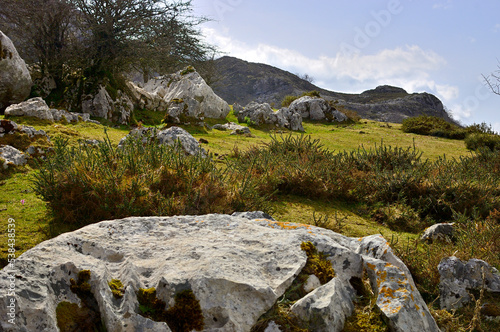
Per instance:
{"type": "Point", "coordinates": [99, 38]}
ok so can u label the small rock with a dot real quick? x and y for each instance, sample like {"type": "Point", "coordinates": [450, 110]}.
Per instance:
{"type": "Point", "coordinates": [203, 141]}
{"type": "Point", "coordinates": [438, 232]}
{"type": "Point", "coordinates": [272, 327]}
{"type": "Point", "coordinates": [12, 156]}
{"type": "Point", "coordinates": [312, 283]}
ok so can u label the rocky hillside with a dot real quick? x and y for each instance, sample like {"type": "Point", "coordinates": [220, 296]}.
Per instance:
{"type": "Point", "coordinates": [243, 82]}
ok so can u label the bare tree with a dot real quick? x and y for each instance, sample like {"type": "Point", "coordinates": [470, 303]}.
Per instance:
{"type": "Point", "coordinates": [156, 35]}
{"type": "Point", "coordinates": [493, 81]}
{"type": "Point", "coordinates": [42, 31]}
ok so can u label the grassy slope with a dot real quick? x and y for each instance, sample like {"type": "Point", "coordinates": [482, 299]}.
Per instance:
{"type": "Point", "coordinates": [33, 222]}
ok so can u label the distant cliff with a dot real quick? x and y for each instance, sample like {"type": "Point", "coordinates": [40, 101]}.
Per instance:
{"type": "Point", "coordinates": [243, 82]}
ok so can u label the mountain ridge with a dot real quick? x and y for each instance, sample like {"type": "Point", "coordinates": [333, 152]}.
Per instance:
{"type": "Point", "coordinates": [242, 82]}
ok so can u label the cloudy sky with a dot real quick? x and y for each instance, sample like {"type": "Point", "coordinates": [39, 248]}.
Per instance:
{"type": "Point", "coordinates": [441, 47]}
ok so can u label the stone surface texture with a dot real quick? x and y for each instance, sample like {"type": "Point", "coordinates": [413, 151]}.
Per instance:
{"type": "Point", "coordinates": [169, 136]}
{"type": "Point", "coordinates": [236, 267]}
{"type": "Point", "coordinates": [15, 79]}
{"type": "Point", "coordinates": [456, 277]}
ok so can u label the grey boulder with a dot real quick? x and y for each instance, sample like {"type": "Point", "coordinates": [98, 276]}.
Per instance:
{"type": "Point", "coordinates": [15, 79]}
{"type": "Point", "coordinates": [439, 232]}
{"type": "Point", "coordinates": [457, 277]}
{"type": "Point", "coordinates": [316, 108]}
{"type": "Point", "coordinates": [169, 137]}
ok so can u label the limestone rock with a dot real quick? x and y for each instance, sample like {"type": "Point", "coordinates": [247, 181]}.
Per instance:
{"type": "Point", "coordinates": [34, 107]}
{"type": "Point", "coordinates": [37, 108]}
{"type": "Point", "coordinates": [184, 95]}
{"type": "Point", "coordinates": [438, 232]}
{"type": "Point", "coordinates": [328, 306]}
{"type": "Point", "coordinates": [102, 105]}
{"type": "Point", "coordinates": [237, 268]}
{"type": "Point", "coordinates": [11, 156]}
{"type": "Point", "coordinates": [168, 136]}
{"type": "Point", "coordinates": [15, 79]}
{"type": "Point", "coordinates": [261, 114]}
{"type": "Point", "coordinates": [456, 277]}
{"type": "Point", "coordinates": [397, 295]}
{"type": "Point", "coordinates": [315, 108]}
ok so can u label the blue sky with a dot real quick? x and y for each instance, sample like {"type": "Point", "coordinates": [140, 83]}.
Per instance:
{"type": "Point", "coordinates": [441, 47]}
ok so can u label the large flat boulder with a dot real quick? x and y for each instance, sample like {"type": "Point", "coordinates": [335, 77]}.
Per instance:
{"type": "Point", "coordinates": [235, 267]}
{"type": "Point", "coordinates": [15, 79]}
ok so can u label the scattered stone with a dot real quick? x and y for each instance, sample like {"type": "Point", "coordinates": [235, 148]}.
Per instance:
{"type": "Point", "coordinates": [168, 136]}
{"type": "Point", "coordinates": [235, 128]}
{"type": "Point", "coordinates": [11, 156]}
{"type": "Point", "coordinates": [236, 268]}
{"type": "Point", "coordinates": [439, 232]}
{"type": "Point", "coordinates": [456, 277]}
{"type": "Point", "coordinates": [202, 141]}
{"type": "Point", "coordinates": [15, 79]}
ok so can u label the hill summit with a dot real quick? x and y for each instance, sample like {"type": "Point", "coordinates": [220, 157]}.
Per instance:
{"type": "Point", "coordinates": [242, 82]}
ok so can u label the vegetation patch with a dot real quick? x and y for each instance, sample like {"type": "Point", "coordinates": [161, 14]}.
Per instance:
{"type": "Point", "coordinates": [188, 70]}
{"type": "Point", "coordinates": [87, 317]}
{"type": "Point", "coordinates": [117, 288]}
{"type": "Point", "coordinates": [184, 316]}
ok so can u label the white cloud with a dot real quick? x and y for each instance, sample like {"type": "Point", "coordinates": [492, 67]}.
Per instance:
{"type": "Point", "coordinates": [409, 67]}
{"type": "Point", "coordinates": [443, 5]}
{"type": "Point", "coordinates": [460, 112]}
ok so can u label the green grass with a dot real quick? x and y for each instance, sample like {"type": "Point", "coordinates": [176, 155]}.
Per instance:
{"type": "Point", "coordinates": [33, 220]}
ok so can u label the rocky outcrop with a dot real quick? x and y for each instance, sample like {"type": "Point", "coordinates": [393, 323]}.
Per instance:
{"type": "Point", "coordinates": [185, 97]}
{"type": "Point", "coordinates": [318, 109]}
{"type": "Point", "coordinates": [261, 114]}
{"type": "Point", "coordinates": [235, 269]}
{"type": "Point", "coordinates": [15, 79]}
{"type": "Point", "coordinates": [10, 156]}
{"type": "Point", "coordinates": [457, 277]}
{"type": "Point", "coordinates": [170, 137]}
{"type": "Point", "coordinates": [38, 108]}
{"type": "Point", "coordinates": [103, 106]}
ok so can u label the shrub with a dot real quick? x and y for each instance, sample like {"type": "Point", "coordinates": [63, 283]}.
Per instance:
{"type": "Point", "coordinates": [428, 125]}
{"type": "Point", "coordinates": [477, 141]}
{"type": "Point", "coordinates": [86, 184]}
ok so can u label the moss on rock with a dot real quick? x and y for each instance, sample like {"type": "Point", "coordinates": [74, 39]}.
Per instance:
{"type": "Point", "coordinates": [117, 288]}
{"type": "Point", "coordinates": [185, 315]}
